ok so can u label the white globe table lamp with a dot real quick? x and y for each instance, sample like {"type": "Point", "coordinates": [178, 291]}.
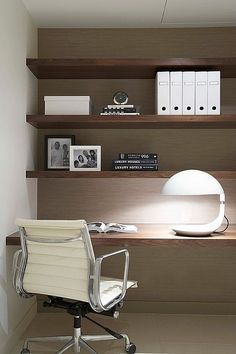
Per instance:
{"type": "Point", "coordinates": [195, 182]}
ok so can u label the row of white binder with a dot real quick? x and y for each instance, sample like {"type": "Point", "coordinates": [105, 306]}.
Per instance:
{"type": "Point", "coordinates": [188, 92]}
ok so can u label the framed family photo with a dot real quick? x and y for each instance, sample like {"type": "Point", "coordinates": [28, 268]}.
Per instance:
{"type": "Point", "coordinates": [57, 151]}
{"type": "Point", "coordinates": [85, 158]}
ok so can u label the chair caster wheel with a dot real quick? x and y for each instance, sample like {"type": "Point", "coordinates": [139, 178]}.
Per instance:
{"type": "Point", "coordinates": [25, 351]}
{"type": "Point", "coordinates": [131, 348]}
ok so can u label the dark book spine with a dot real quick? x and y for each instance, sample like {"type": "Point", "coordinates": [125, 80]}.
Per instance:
{"type": "Point", "coordinates": [146, 167]}
{"type": "Point", "coordinates": [135, 162]}
{"type": "Point", "coordinates": [137, 156]}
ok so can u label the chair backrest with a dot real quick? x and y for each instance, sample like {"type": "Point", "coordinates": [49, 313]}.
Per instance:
{"type": "Point", "coordinates": [57, 257]}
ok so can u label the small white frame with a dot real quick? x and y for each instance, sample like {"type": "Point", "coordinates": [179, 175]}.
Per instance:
{"type": "Point", "coordinates": [85, 158]}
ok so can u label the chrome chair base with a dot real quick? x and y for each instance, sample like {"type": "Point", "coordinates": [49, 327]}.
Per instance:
{"type": "Point", "coordinates": [77, 341]}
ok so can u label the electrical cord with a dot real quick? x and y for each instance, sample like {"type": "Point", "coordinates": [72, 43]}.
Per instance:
{"type": "Point", "coordinates": [226, 227]}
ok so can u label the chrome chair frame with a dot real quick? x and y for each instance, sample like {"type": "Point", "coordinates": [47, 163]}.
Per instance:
{"type": "Point", "coordinates": [95, 265]}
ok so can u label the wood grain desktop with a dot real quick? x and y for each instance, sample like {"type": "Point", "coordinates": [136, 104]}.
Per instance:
{"type": "Point", "coordinates": [152, 234]}
{"type": "Point", "coordinates": [171, 270]}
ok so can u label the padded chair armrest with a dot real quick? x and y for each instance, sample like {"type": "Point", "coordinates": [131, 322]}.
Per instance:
{"type": "Point", "coordinates": [16, 269]}
{"type": "Point", "coordinates": [97, 278]}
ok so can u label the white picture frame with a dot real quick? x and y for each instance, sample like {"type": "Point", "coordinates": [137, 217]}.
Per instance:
{"type": "Point", "coordinates": [85, 158]}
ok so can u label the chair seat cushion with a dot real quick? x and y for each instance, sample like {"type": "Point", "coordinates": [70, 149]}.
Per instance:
{"type": "Point", "coordinates": [111, 289]}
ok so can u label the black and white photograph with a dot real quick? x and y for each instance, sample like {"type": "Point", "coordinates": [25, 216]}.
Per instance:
{"type": "Point", "coordinates": [58, 151]}
{"type": "Point", "coordinates": [85, 158]}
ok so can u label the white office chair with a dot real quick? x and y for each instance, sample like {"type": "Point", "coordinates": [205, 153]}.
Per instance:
{"type": "Point", "coordinates": [57, 259]}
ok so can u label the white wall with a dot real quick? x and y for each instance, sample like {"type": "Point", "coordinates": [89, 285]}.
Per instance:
{"type": "Point", "coordinates": [18, 94]}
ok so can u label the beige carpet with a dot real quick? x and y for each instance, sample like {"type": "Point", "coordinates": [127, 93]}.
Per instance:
{"type": "Point", "coordinates": [152, 333]}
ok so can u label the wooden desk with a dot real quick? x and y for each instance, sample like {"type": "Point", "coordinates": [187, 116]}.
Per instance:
{"type": "Point", "coordinates": [174, 273]}
{"type": "Point", "coordinates": [152, 235]}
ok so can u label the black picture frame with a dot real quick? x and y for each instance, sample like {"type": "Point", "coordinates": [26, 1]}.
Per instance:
{"type": "Point", "coordinates": [49, 165]}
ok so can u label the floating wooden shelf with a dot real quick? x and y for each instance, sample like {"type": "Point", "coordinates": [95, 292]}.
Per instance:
{"type": "Point", "coordinates": [131, 122]}
{"type": "Point", "coordinates": [99, 174]}
{"type": "Point", "coordinates": [118, 174]}
{"type": "Point", "coordinates": [124, 68]}
{"type": "Point", "coordinates": [153, 235]}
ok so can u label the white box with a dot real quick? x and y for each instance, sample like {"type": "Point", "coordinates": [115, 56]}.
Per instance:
{"type": "Point", "coordinates": [213, 82]}
{"type": "Point", "coordinates": [201, 92]}
{"type": "Point", "coordinates": [176, 92]}
{"type": "Point", "coordinates": [67, 105]}
{"type": "Point", "coordinates": [188, 92]}
{"type": "Point", "coordinates": [163, 93]}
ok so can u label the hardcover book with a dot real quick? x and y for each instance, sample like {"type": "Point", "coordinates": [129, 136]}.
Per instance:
{"type": "Point", "coordinates": [134, 162]}
{"type": "Point", "coordinates": [137, 156]}
{"type": "Point", "coordinates": [146, 167]}
{"type": "Point", "coordinates": [122, 106]}
{"type": "Point", "coordinates": [119, 110]}
{"type": "Point", "coordinates": [119, 114]}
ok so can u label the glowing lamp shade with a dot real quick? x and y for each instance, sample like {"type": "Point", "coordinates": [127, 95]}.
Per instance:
{"type": "Point", "coordinates": [192, 182]}
{"type": "Point", "coordinates": [195, 182]}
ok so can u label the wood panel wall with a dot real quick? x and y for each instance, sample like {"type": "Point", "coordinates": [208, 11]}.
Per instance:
{"type": "Point", "coordinates": [164, 274]}
{"type": "Point", "coordinates": [137, 43]}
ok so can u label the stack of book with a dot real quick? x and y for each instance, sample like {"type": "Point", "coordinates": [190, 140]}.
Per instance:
{"type": "Point", "coordinates": [136, 162]}
{"type": "Point", "coordinates": [119, 109]}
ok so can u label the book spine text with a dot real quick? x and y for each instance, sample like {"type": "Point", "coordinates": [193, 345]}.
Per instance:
{"type": "Point", "coordinates": [137, 156]}
{"type": "Point", "coordinates": [134, 162]}
{"type": "Point", "coordinates": [146, 167]}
